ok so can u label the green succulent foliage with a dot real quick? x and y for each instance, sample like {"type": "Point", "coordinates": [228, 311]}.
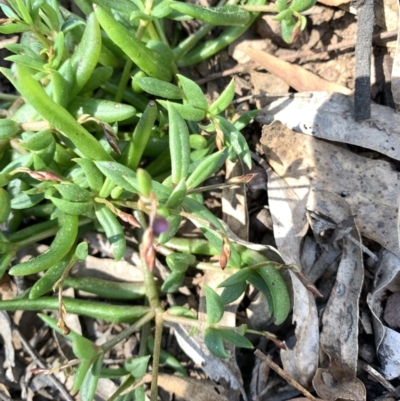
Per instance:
{"type": "Point", "coordinates": [89, 150]}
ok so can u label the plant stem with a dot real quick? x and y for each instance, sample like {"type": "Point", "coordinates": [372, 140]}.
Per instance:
{"type": "Point", "coordinates": [126, 74]}
{"type": "Point", "coordinates": [45, 234]}
{"type": "Point", "coordinates": [107, 346]}
{"type": "Point", "coordinates": [6, 96]}
{"type": "Point", "coordinates": [156, 354]}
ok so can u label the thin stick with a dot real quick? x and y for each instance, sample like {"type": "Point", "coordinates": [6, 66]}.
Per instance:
{"type": "Point", "coordinates": [345, 44]}
{"type": "Point", "coordinates": [36, 357]}
{"type": "Point", "coordinates": [376, 375]}
{"type": "Point", "coordinates": [283, 374]}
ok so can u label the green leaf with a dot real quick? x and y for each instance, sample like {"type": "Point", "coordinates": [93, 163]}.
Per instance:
{"type": "Point", "coordinates": [214, 305]}
{"type": "Point", "coordinates": [206, 168]}
{"type": "Point", "coordinates": [74, 208]}
{"type": "Point", "coordinates": [174, 221]}
{"type": "Point", "coordinates": [173, 282]}
{"type": "Point", "coordinates": [194, 96]}
{"type": "Point", "coordinates": [236, 278]}
{"type": "Point", "coordinates": [104, 110]}
{"type": "Point", "coordinates": [14, 28]}
{"type": "Point", "coordinates": [235, 338]}
{"type": "Point", "coordinates": [215, 343]}
{"type": "Point", "coordinates": [91, 379]}
{"type": "Point", "coordinates": [8, 128]}
{"type": "Point", "coordinates": [235, 139]}
{"type": "Point", "coordinates": [199, 210]}
{"type": "Point", "coordinates": [157, 87]}
{"type": "Point", "coordinates": [233, 292]}
{"type": "Point", "coordinates": [73, 192]}
{"type": "Point", "coordinates": [224, 100]}
{"type": "Point", "coordinates": [177, 196]}
{"type": "Point", "coordinates": [179, 145]}
{"type": "Point", "coordinates": [137, 367]}
{"type": "Point", "coordinates": [182, 311]}
{"type": "Point", "coordinates": [81, 251]}
{"type": "Point", "coordinates": [257, 281]}
{"type": "Point", "coordinates": [84, 348]}
{"type": "Point", "coordinates": [80, 374]}
{"type": "Point", "coordinates": [180, 262]}
{"type": "Point", "coordinates": [188, 113]}
{"type": "Point", "coordinates": [118, 174]}
{"type": "Point", "coordinates": [24, 201]}
{"type": "Point", "coordinates": [244, 120]}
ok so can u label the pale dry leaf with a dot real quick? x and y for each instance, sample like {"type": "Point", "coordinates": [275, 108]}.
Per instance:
{"type": "Point", "coordinates": [288, 210]}
{"type": "Point", "coordinates": [191, 389]}
{"type": "Point", "coordinates": [392, 12]}
{"type": "Point", "coordinates": [333, 3]}
{"type": "Point", "coordinates": [370, 187]}
{"type": "Point", "coordinates": [295, 76]}
{"type": "Point", "coordinates": [330, 116]}
{"type": "Point", "coordinates": [6, 334]}
{"type": "Point", "coordinates": [339, 336]}
{"type": "Point", "coordinates": [301, 361]}
{"type": "Point", "coordinates": [330, 388]}
{"type": "Point", "coordinates": [387, 341]}
{"type": "Point", "coordinates": [234, 202]}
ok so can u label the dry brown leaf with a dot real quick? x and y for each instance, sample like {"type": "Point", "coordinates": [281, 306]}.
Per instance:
{"type": "Point", "coordinates": [339, 336]}
{"type": "Point", "coordinates": [333, 3]}
{"type": "Point", "coordinates": [234, 202]}
{"type": "Point", "coordinates": [387, 340]}
{"type": "Point", "coordinates": [370, 187]}
{"type": "Point", "coordinates": [395, 82]}
{"type": "Point", "coordinates": [301, 361]}
{"type": "Point", "coordinates": [295, 76]}
{"type": "Point", "coordinates": [330, 116]}
{"type": "Point", "coordinates": [191, 389]}
{"type": "Point", "coordinates": [290, 225]}
{"type": "Point", "coordinates": [331, 388]}
{"type": "Point", "coordinates": [6, 335]}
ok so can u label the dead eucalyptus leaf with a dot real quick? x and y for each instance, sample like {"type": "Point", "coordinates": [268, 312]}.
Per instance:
{"type": "Point", "coordinates": [295, 76]}
{"type": "Point", "coordinates": [288, 216]}
{"type": "Point", "coordinates": [234, 202]}
{"type": "Point", "coordinates": [339, 336]}
{"type": "Point", "coordinates": [387, 341]}
{"type": "Point", "coordinates": [330, 116]}
{"type": "Point", "coordinates": [370, 187]}
{"type": "Point", "coordinates": [391, 11]}
{"type": "Point", "coordinates": [6, 334]}
{"type": "Point", "coordinates": [301, 361]}
{"type": "Point", "coordinates": [191, 389]}
{"type": "Point", "coordinates": [329, 387]}
{"type": "Point", "coordinates": [290, 225]}
{"type": "Point", "coordinates": [333, 3]}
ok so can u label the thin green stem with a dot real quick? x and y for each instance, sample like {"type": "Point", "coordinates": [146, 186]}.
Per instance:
{"type": "Point", "coordinates": [126, 74]}
{"type": "Point", "coordinates": [156, 355]}
{"type": "Point", "coordinates": [45, 234]}
{"type": "Point", "coordinates": [192, 40]}
{"type": "Point", "coordinates": [6, 96]}
{"type": "Point", "coordinates": [107, 346]}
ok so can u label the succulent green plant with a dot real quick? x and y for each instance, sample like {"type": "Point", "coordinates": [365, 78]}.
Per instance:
{"type": "Point", "coordinates": [84, 149]}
